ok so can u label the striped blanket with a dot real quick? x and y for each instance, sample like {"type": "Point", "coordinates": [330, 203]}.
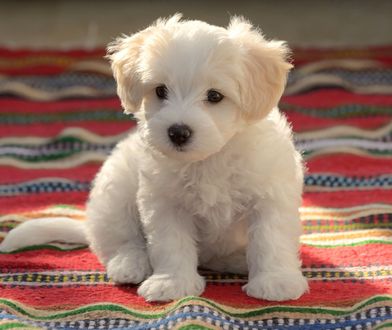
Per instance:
{"type": "Point", "coordinates": [59, 119]}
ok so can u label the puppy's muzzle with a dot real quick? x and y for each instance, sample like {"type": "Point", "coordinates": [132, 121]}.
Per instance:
{"type": "Point", "coordinates": [179, 134]}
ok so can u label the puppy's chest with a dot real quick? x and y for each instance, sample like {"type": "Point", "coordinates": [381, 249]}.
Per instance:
{"type": "Point", "coordinates": [217, 197]}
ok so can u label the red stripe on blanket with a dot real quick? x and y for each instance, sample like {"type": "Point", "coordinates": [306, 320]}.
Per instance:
{"type": "Point", "coordinates": [349, 165]}
{"type": "Point", "coordinates": [347, 198]}
{"type": "Point", "coordinates": [336, 293]}
{"type": "Point", "coordinates": [303, 123]}
{"type": "Point", "coordinates": [348, 256]}
{"type": "Point", "coordinates": [9, 174]}
{"type": "Point", "coordinates": [73, 53]}
{"type": "Point", "coordinates": [304, 55]}
{"type": "Point", "coordinates": [26, 202]}
{"type": "Point", "coordinates": [12, 105]}
{"type": "Point", "coordinates": [325, 98]}
{"type": "Point", "coordinates": [84, 260]}
{"type": "Point", "coordinates": [46, 259]}
{"type": "Point", "coordinates": [38, 70]}
{"type": "Point", "coordinates": [105, 128]}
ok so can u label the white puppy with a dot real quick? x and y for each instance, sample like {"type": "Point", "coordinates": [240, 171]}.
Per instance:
{"type": "Point", "coordinates": [209, 178]}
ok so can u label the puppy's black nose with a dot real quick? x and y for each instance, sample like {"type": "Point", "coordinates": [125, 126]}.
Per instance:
{"type": "Point", "coordinates": [179, 134]}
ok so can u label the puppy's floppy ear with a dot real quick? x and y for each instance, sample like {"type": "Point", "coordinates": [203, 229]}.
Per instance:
{"type": "Point", "coordinates": [265, 69]}
{"type": "Point", "coordinates": [123, 54]}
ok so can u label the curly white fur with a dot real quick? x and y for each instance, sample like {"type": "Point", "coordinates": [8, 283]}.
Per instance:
{"type": "Point", "coordinates": [229, 199]}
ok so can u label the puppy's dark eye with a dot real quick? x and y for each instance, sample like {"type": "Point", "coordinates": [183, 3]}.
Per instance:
{"type": "Point", "coordinates": [214, 97]}
{"type": "Point", "coordinates": [161, 92]}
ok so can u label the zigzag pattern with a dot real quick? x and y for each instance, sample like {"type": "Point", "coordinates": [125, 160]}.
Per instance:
{"type": "Point", "coordinates": [212, 315]}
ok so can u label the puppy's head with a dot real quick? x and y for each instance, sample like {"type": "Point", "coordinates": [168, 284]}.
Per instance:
{"type": "Point", "coordinates": [193, 86]}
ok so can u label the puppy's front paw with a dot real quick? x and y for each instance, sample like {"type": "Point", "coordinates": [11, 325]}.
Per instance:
{"type": "Point", "coordinates": [277, 285]}
{"type": "Point", "coordinates": [165, 287]}
{"type": "Point", "coordinates": [130, 266]}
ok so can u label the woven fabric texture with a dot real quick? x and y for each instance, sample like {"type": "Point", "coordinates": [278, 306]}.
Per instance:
{"type": "Point", "coordinates": [60, 118]}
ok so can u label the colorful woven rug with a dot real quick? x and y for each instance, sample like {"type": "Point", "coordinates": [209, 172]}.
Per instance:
{"type": "Point", "coordinates": [60, 117]}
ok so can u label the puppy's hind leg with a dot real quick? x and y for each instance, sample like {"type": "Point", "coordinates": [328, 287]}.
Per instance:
{"type": "Point", "coordinates": [113, 225]}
